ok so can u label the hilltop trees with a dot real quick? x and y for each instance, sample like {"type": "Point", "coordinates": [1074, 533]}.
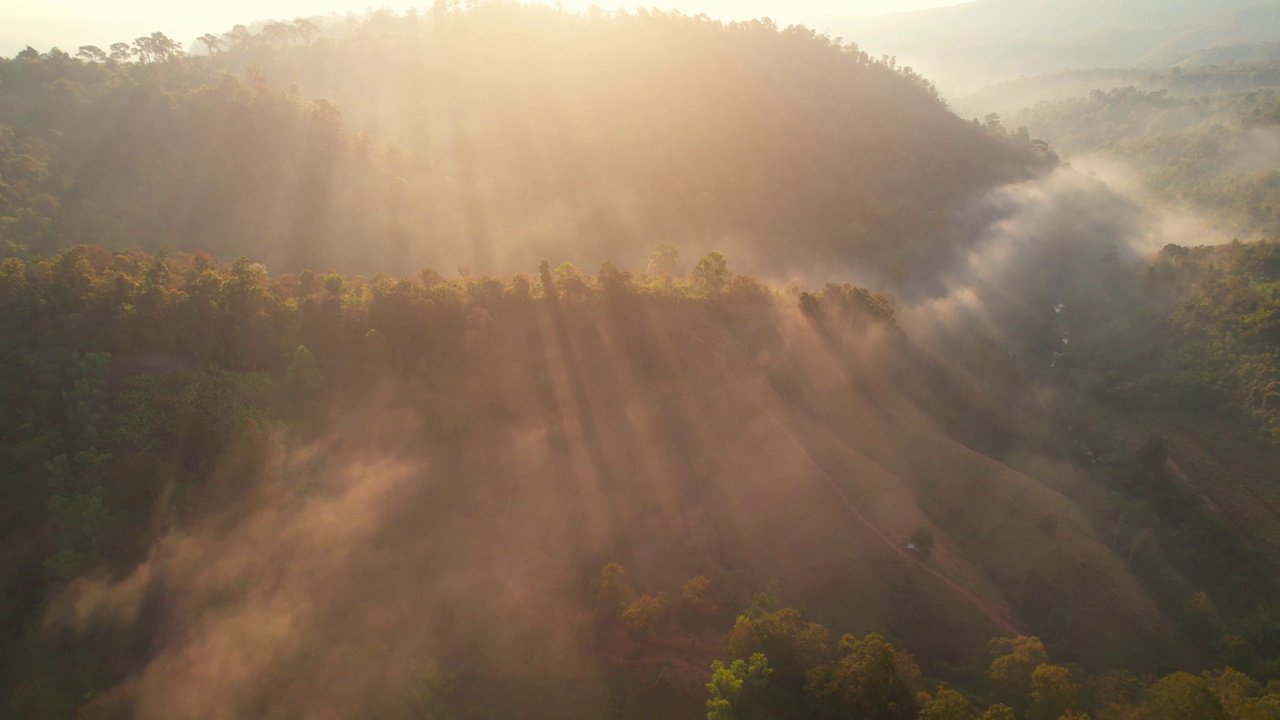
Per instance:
{"type": "Point", "coordinates": [711, 274]}
{"type": "Point", "coordinates": [92, 53]}
{"type": "Point", "coordinates": [156, 47]}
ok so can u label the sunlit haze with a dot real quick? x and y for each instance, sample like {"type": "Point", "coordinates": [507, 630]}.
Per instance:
{"type": "Point", "coordinates": [71, 23]}
{"type": "Point", "coordinates": [737, 359]}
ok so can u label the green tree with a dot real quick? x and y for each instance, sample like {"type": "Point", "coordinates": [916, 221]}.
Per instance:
{"type": "Point", "coordinates": [212, 42]}
{"type": "Point", "coordinates": [1010, 672]}
{"type": "Point", "coordinates": [696, 602]}
{"type": "Point", "coordinates": [376, 355]}
{"type": "Point", "coordinates": [869, 678]}
{"type": "Point", "coordinates": [664, 261]}
{"type": "Point", "coordinates": [92, 53]}
{"type": "Point", "coordinates": [1236, 692]}
{"type": "Point", "coordinates": [644, 616]}
{"type": "Point", "coordinates": [303, 375]}
{"type": "Point", "coordinates": [548, 281]}
{"type": "Point", "coordinates": [731, 687]}
{"type": "Point", "coordinates": [333, 284]}
{"type": "Point", "coordinates": [792, 644]}
{"type": "Point", "coordinates": [1200, 619]}
{"type": "Point", "coordinates": [614, 283]}
{"type": "Point", "coordinates": [1053, 693]}
{"type": "Point", "coordinates": [1183, 696]}
{"type": "Point", "coordinates": [999, 712]}
{"type": "Point", "coordinates": [947, 705]}
{"type": "Point", "coordinates": [610, 591]}
{"type": "Point", "coordinates": [810, 307]}
{"type": "Point", "coordinates": [711, 274]}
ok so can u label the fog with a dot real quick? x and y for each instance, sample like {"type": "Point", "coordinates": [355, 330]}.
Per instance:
{"type": "Point", "coordinates": [424, 544]}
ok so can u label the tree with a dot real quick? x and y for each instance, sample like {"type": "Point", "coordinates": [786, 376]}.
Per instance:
{"type": "Point", "coordinates": [1053, 693]}
{"type": "Point", "coordinates": [92, 53]}
{"type": "Point", "coordinates": [664, 261]}
{"type": "Point", "coordinates": [948, 705]}
{"type": "Point", "coordinates": [610, 591]}
{"type": "Point", "coordinates": [571, 281]}
{"type": "Point", "coordinates": [810, 307]}
{"type": "Point", "coordinates": [212, 42]}
{"type": "Point", "coordinates": [644, 616]}
{"type": "Point", "coordinates": [793, 645]}
{"type": "Point", "coordinates": [728, 684]}
{"type": "Point", "coordinates": [1112, 690]}
{"type": "Point", "coordinates": [1183, 696]}
{"type": "Point", "coordinates": [615, 283]}
{"type": "Point", "coordinates": [711, 274]}
{"type": "Point", "coordinates": [279, 33]}
{"type": "Point", "coordinates": [1012, 668]}
{"type": "Point", "coordinates": [991, 123]}
{"type": "Point", "coordinates": [548, 281]}
{"type": "Point", "coordinates": [156, 47]}
{"type": "Point", "coordinates": [239, 37]}
{"type": "Point", "coordinates": [1200, 619]}
{"type": "Point", "coordinates": [333, 284]}
{"type": "Point", "coordinates": [303, 375]}
{"type": "Point", "coordinates": [305, 29]}
{"type": "Point", "coordinates": [696, 603]}
{"type": "Point", "coordinates": [1235, 692]}
{"type": "Point", "coordinates": [869, 679]}
{"type": "Point", "coordinates": [999, 712]}
{"type": "Point", "coordinates": [376, 356]}
{"type": "Point", "coordinates": [121, 52]}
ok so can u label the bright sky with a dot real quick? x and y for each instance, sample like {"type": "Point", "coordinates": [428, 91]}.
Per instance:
{"type": "Point", "coordinates": [71, 23]}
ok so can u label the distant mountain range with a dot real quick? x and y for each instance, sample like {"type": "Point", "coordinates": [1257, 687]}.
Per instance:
{"type": "Point", "coordinates": [963, 47]}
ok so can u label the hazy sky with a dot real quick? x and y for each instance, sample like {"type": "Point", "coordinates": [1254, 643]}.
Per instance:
{"type": "Point", "coordinates": [71, 23]}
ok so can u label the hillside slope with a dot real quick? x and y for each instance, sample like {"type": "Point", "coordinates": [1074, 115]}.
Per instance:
{"type": "Point", "coordinates": [442, 490]}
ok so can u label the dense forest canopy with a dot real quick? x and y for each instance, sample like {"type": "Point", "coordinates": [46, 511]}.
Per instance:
{"type": "Point", "coordinates": [493, 137]}
{"type": "Point", "coordinates": [1214, 153]}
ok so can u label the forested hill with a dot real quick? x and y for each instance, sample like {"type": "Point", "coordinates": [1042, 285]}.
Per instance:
{"type": "Point", "coordinates": [490, 138]}
{"type": "Point", "coordinates": [227, 494]}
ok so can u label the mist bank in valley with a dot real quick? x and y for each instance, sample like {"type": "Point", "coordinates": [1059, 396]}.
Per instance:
{"type": "Point", "coordinates": [966, 46]}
